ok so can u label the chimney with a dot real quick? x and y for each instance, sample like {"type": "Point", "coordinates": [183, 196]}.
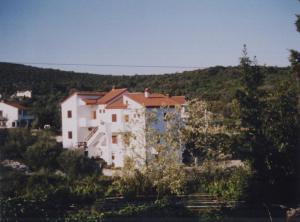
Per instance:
{"type": "Point", "coordinates": [147, 92]}
{"type": "Point", "coordinates": [113, 87]}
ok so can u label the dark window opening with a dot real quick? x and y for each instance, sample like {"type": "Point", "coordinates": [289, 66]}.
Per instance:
{"type": "Point", "coordinates": [69, 114]}
{"type": "Point", "coordinates": [114, 139]}
{"type": "Point", "coordinates": [114, 117]}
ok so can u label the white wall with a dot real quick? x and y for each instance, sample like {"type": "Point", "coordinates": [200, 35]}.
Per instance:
{"type": "Point", "coordinates": [23, 94]}
{"type": "Point", "coordinates": [69, 124]}
{"type": "Point", "coordinates": [101, 142]}
{"type": "Point", "coordinates": [10, 112]}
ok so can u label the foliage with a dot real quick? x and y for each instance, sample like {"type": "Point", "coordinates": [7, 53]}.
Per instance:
{"type": "Point", "coordinates": [165, 146]}
{"type": "Point", "coordinates": [131, 183]}
{"type": "Point", "coordinates": [206, 133]}
{"type": "Point", "coordinates": [161, 209]}
{"type": "Point", "coordinates": [43, 152]}
{"type": "Point", "coordinates": [51, 86]}
{"type": "Point", "coordinates": [76, 165]}
{"type": "Point", "coordinates": [227, 184]}
{"type": "Point", "coordinates": [11, 182]}
{"type": "Point", "coordinates": [15, 143]}
{"type": "Point", "coordinates": [91, 187]}
{"type": "Point", "coordinates": [268, 137]}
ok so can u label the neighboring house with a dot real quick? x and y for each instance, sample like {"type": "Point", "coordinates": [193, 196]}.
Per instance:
{"type": "Point", "coordinates": [22, 94]}
{"type": "Point", "coordinates": [13, 115]}
{"type": "Point", "coordinates": [100, 123]}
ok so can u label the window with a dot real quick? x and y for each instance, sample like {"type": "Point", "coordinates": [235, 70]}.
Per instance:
{"type": "Point", "coordinates": [70, 135]}
{"type": "Point", "coordinates": [114, 117]}
{"type": "Point", "coordinates": [69, 114]}
{"type": "Point", "coordinates": [104, 111]}
{"type": "Point", "coordinates": [13, 124]}
{"type": "Point", "coordinates": [1, 113]}
{"type": "Point", "coordinates": [112, 156]}
{"type": "Point", "coordinates": [114, 139]}
{"type": "Point", "coordinates": [94, 114]}
{"type": "Point", "coordinates": [126, 118]}
{"type": "Point", "coordinates": [100, 110]}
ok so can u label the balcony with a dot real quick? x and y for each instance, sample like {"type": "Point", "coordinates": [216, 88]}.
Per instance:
{"type": "Point", "coordinates": [26, 117]}
{"type": "Point", "coordinates": [85, 122]}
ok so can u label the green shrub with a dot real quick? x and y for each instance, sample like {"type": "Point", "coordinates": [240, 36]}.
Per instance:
{"type": "Point", "coordinates": [76, 165]}
{"type": "Point", "coordinates": [131, 185]}
{"type": "Point", "coordinates": [228, 184]}
{"type": "Point", "coordinates": [43, 152]}
{"type": "Point", "coordinates": [14, 143]}
{"type": "Point", "coordinates": [11, 182]}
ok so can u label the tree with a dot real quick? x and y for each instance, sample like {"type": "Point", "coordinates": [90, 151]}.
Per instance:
{"type": "Point", "coordinates": [76, 165]}
{"type": "Point", "coordinates": [206, 136]}
{"type": "Point", "coordinates": [43, 152]}
{"type": "Point", "coordinates": [268, 133]}
{"type": "Point", "coordinates": [251, 106]}
{"type": "Point", "coordinates": [162, 158]}
{"type": "Point", "coordinates": [15, 143]}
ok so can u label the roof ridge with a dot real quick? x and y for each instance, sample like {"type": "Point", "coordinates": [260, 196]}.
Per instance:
{"type": "Point", "coordinates": [111, 95]}
{"type": "Point", "coordinates": [14, 104]}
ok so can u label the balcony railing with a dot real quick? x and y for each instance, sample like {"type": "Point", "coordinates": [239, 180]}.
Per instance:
{"type": "Point", "coordinates": [85, 122]}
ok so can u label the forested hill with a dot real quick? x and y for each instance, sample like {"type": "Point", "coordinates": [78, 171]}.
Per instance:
{"type": "Point", "coordinates": [210, 83]}
{"type": "Point", "coordinates": [50, 86]}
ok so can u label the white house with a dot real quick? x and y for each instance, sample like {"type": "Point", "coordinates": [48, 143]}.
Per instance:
{"type": "Point", "coordinates": [112, 125]}
{"type": "Point", "coordinates": [22, 94]}
{"type": "Point", "coordinates": [13, 115]}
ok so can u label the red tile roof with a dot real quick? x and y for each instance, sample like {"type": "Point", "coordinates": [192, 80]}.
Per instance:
{"type": "Point", "coordinates": [179, 99]}
{"type": "Point", "coordinates": [154, 100]}
{"type": "Point", "coordinates": [16, 105]}
{"type": "Point", "coordinates": [84, 93]}
{"type": "Point", "coordinates": [118, 104]}
{"type": "Point", "coordinates": [110, 96]}
{"type": "Point", "coordinates": [112, 101]}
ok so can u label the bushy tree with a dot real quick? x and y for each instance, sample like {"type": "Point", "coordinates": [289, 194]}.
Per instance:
{"type": "Point", "coordinates": [15, 143]}
{"type": "Point", "coordinates": [76, 165]}
{"type": "Point", "coordinates": [251, 107]}
{"type": "Point", "coordinates": [43, 152]}
{"type": "Point", "coordinates": [207, 138]}
{"type": "Point", "coordinates": [131, 182]}
{"type": "Point", "coordinates": [268, 133]}
{"type": "Point", "coordinates": [161, 163]}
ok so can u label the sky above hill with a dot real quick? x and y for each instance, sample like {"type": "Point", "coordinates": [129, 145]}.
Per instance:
{"type": "Point", "coordinates": [183, 34]}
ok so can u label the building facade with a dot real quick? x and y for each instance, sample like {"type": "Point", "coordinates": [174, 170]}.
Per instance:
{"type": "Point", "coordinates": [14, 115]}
{"type": "Point", "coordinates": [22, 94]}
{"type": "Point", "coordinates": [114, 125]}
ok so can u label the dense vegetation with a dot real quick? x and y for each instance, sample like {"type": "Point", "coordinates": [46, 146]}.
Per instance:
{"type": "Point", "coordinates": [258, 123]}
{"type": "Point", "coordinates": [51, 86]}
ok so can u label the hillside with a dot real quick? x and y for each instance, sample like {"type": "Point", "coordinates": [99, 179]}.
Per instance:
{"type": "Point", "coordinates": [50, 86]}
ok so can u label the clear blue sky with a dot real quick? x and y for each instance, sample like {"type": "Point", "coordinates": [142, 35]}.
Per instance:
{"type": "Point", "coordinates": [146, 32]}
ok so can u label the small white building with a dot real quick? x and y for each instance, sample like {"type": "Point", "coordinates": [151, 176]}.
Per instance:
{"type": "Point", "coordinates": [13, 115]}
{"type": "Point", "coordinates": [112, 125]}
{"type": "Point", "coordinates": [22, 94]}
